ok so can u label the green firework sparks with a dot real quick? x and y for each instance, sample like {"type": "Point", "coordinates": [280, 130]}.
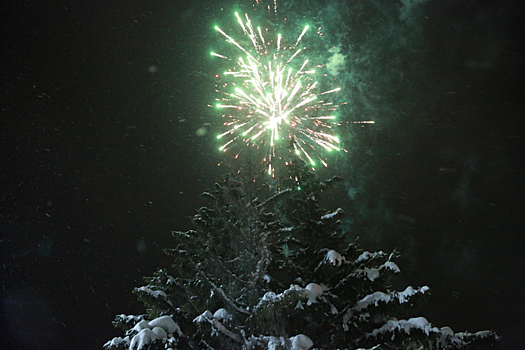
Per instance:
{"type": "Point", "coordinates": [269, 98]}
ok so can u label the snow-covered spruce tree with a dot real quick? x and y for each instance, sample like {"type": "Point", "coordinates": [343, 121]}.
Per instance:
{"type": "Point", "coordinates": [266, 268]}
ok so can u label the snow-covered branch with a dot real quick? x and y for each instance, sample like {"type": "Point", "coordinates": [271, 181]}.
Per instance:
{"type": "Point", "coordinates": [213, 319]}
{"type": "Point", "coordinates": [274, 197]}
{"type": "Point", "coordinates": [223, 295]}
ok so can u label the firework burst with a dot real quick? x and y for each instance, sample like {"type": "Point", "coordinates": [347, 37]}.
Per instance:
{"type": "Point", "coordinates": [270, 101]}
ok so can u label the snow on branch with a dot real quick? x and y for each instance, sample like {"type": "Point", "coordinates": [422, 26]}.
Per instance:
{"type": "Point", "coordinates": [160, 329]}
{"type": "Point", "coordinates": [272, 297]}
{"type": "Point", "coordinates": [153, 293]}
{"type": "Point", "coordinates": [373, 273]}
{"type": "Point", "coordinates": [166, 323]}
{"type": "Point", "coordinates": [334, 258]}
{"type": "Point", "coordinates": [335, 213]}
{"type": "Point", "coordinates": [207, 195]}
{"type": "Point", "coordinates": [370, 273]}
{"type": "Point", "coordinates": [447, 339]}
{"type": "Point", "coordinates": [221, 328]}
{"type": "Point", "coordinates": [389, 265]}
{"type": "Point", "coordinates": [214, 320]}
{"type": "Point", "coordinates": [406, 326]}
{"type": "Point", "coordinates": [379, 297]}
{"type": "Point", "coordinates": [286, 229]}
{"type": "Point", "coordinates": [127, 320]}
{"type": "Point", "coordinates": [157, 294]}
{"type": "Point", "coordinates": [301, 342]}
{"type": "Point", "coordinates": [228, 300]}
{"type": "Point", "coordinates": [298, 342]}
{"type": "Point", "coordinates": [275, 196]}
{"type": "Point", "coordinates": [221, 292]}
{"type": "Point", "coordinates": [367, 256]}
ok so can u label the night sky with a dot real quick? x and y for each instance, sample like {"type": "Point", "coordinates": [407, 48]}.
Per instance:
{"type": "Point", "coordinates": [107, 142]}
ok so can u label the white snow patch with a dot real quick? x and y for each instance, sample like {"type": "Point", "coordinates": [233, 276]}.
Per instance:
{"type": "Point", "coordinates": [447, 331]}
{"type": "Point", "coordinates": [301, 342]}
{"type": "Point", "coordinates": [483, 334]}
{"type": "Point", "coordinates": [446, 334]}
{"type": "Point", "coordinates": [334, 258]}
{"type": "Point", "coordinates": [377, 297]}
{"type": "Point", "coordinates": [373, 298]}
{"type": "Point", "coordinates": [153, 293]}
{"type": "Point", "coordinates": [128, 318]}
{"type": "Point", "coordinates": [389, 265]}
{"type": "Point", "coordinates": [159, 332]}
{"type": "Point", "coordinates": [269, 296]}
{"type": "Point", "coordinates": [275, 343]}
{"type": "Point", "coordinates": [406, 326]}
{"type": "Point", "coordinates": [140, 326]}
{"type": "Point", "coordinates": [378, 346]}
{"type": "Point", "coordinates": [222, 315]}
{"type": "Point", "coordinates": [160, 328]}
{"type": "Point", "coordinates": [118, 342]}
{"type": "Point", "coordinates": [313, 290]}
{"type": "Point", "coordinates": [409, 291]}
{"type": "Point", "coordinates": [372, 274]}
{"type": "Point", "coordinates": [333, 309]}
{"type": "Point", "coordinates": [272, 297]}
{"type": "Point", "coordinates": [143, 338]}
{"type": "Point", "coordinates": [332, 214]}
{"type": "Point", "coordinates": [366, 255]}
{"type": "Point", "coordinates": [419, 323]}
{"type": "Point", "coordinates": [166, 323]}
{"type": "Point", "coordinates": [204, 317]}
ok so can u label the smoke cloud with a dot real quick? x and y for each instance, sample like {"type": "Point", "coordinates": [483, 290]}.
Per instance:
{"type": "Point", "coordinates": [336, 62]}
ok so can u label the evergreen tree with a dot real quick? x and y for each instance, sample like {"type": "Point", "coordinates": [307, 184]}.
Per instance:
{"type": "Point", "coordinates": [266, 268]}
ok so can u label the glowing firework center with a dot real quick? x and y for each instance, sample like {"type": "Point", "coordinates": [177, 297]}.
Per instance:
{"type": "Point", "coordinates": [265, 100]}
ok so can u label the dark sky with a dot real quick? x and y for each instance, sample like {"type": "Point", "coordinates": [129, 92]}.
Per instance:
{"type": "Point", "coordinates": [100, 158]}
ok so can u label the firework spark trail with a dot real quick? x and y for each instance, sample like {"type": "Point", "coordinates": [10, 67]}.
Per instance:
{"type": "Point", "coordinates": [267, 100]}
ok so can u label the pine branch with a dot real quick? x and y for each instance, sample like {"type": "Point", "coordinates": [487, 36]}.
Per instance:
{"type": "Point", "coordinates": [221, 328]}
{"type": "Point", "coordinates": [207, 345]}
{"type": "Point", "coordinates": [215, 323]}
{"type": "Point", "coordinates": [221, 292]}
{"type": "Point", "coordinates": [227, 299]}
{"type": "Point", "coordinates": [274, 197]}
{"type": "Point", "coordinates": [237, 278]}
